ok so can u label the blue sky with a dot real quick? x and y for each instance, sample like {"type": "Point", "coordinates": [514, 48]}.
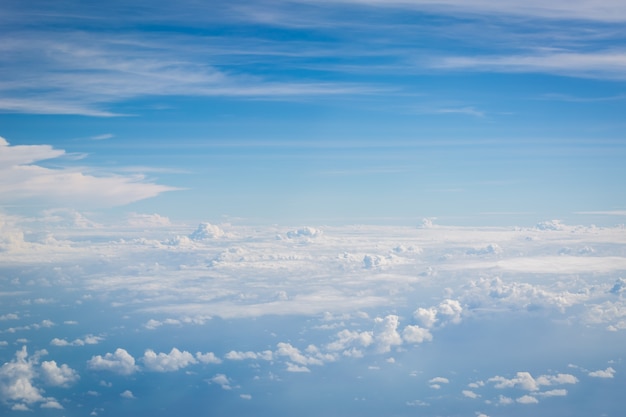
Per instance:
{"type": "Point", "coordinates": [332, 207]}
{"type": "Point", "coordinates": [336, 111]}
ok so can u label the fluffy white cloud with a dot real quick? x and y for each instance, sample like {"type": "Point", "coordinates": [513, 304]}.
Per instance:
{"type": "Point", "coordinates": [470, 394]}
{"type": "Point", "coordinates": [128, 395]}
{"type": "Point", "coordinates": [525, 381]}
{"type": "Point", "coordinates": [222, 380]}
{"type": "Point", "coordinates": [208, 357]}
{"type": "Point", "coordinates": [206, 231]}
{"type": "Point", "coordinates": [56, 375]}
{"type": "Point", "coordinates": [167, 362]}
{"type": "Point", "coordinates": [120, 362]}
{"type": "Point", "coordinates": [22, 180]}
{"type": "Point", "coordinates": [527, 399]}
{"type": "Point", "coordinates": [386, 333]}
{"type": "Point", "coordinates": [416, 334]}
{"type": "Point", "coordinates": [16, 379]}
{"type": "Point", "coordinates": [606, 373]}
{"type": "Point", "coordinates": [87, 340]}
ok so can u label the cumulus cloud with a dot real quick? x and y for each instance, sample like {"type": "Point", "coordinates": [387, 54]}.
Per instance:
{"type": "Point", "coordinates": [207, 358]}
{"type": "Point", "coordinates": [87, 340]}
{"type": "Point", "coordinates": [606, 373]}
{"type": "Point", "coordinates": [55, 375]}
{"type": "Point", "coordinates": [128, 395]}
{"type": "Point", "coordinates": [120, 362]}
{"type": "Point", "coordinates": [206, 231]}
{"type": "Point", "coordinates": [470, 394]}
{"type": "Point", "coordinates": [167, 362]}
{"type": "Point", "coordinates": [21, 179]}
{"type": "Point", "coordinates": [525, 381]}
{"type": "Point", "coordinates": [527, 399]}
{"type": "Point", "coordinates": [18, 378]}
{"type": "Point", "coordinates": [416, 334]}
{"type": "Point", "coordinates": [386, 333]}
{"type": "Point", "coordinates": [221, 380]}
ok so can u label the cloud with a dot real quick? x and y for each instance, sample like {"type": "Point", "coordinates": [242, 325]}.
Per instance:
{"type": "Point", "coordinates": [128, 395]}
{"type": "Point", "coordinates": [607, 373]}
{"type": "Point", "coordinates": [167, 362]}
{"type": "Point", "coordinates": [50, 403]}
{"type": "Point", "coordinates": [87, 340]}
{"type": "Point", "coordinates": [206, 231]}
{"type": "Point", "coordinates": [207, 358]}
{"type": "Point", "coordinates": [386, 333]}
{"type": "Point", "coordinates": [61, 376]}
{"type": "Point", "coordinates": [21, 180]}
{"type": "Point", "coordinates": [222, 380]}
{"type": "Point", "coordinates": [18, 377]}
{"type": "Point", "coordinates": [470, 394]}
{"type": "Point", "coordinates": [603, 10]}
{"type": "Point", "coordinates": [609, 64]}
{"type": "Point", "coordinates": [120, 362]}
{"type": "Point", "coordinates": [553, 393]}
{"type": "Point", "coordinates": [416, 334]}
{"type": "Point", "coordinates": [525, 381]}
{"type": "Point", "coordinates": [527, 399]}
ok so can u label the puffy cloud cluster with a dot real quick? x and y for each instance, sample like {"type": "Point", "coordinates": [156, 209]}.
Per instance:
{"type": "Point", "coordinates": [525, 381]}
{"type": "Point", "coordinates": [304, 232]}
{"type": "Point", "coordinates": [207, 231]}
{"type": "Point", "coordinates": [606, 373]}
{"type": "Point", "coordinates": [448, 311]}
{"type": "Point", "coordinates": [61, 376]}
{"type": "Point", "coordinates": [87, 340]}
{"type": "Point", "coordinates": [18, 380]}
{"type": "Point", "coordinates": [167, 362]}
{"type": "Point", "coordinates": [120, 362]}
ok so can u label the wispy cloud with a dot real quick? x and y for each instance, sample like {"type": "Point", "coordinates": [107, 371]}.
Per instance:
{"type": "Point", "coordinates": [603, 64]}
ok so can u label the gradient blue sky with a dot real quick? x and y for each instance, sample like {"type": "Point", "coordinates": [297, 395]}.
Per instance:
{"type": "Point", "coordinates": [326, 111]}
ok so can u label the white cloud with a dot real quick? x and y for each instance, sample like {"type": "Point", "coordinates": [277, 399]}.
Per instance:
{"type": "Point", "coordinates": [600, 64]}
{"type": "Point", "coordinates": [553, 393]}
{"type": "Point", "coordinates": [291, 367]}
{"type": "Point", "coordinates": [207, 358]}
{"type": "Point", "coordinates": [16, 379]}
{"type": "Point", "coordinates": [603, 10]}
{"type": "Point", "coordinates": [294, 355]}
{"type": "Point", "coordinates": [470, 394]}
{"type": "Point", "coordinates": [22, 180]}
{"type": "Point", "coordinates": [147, 220]}
{"type": "Point", "coordinates": [238, 356]}
{"type": "Point", "coordinates": [128, 395]}
{"type": "Point", "coordinates": [222, 380]}
{"type": "Point", "coordinates": [606, 373]}
{"type": "Point", "coordinates": [527, 399]}
{"type": "Point", "coordinates": [346, 338]}
{"type": "Point", "coordinates": [525, 381]}
{"type": "Point", "coordinates": [206, 231]}
{"type": "Point", "coordinates": [87, 340]}
{"type": "Point", "coordinates": [245, 396]}
{"type": "Point", "coordinates": [416, 334]}
{"type": "Point", "coordinates": [439, 380]}
{"type": "Point", "coordinates": [167, 362]}
{"type": "Point", "coordinates": [120, 362]}
{"type": "Point", "coordinates": [56, 375]}
{"type": "Point", "coordinates": [52, 404]}
{"type": "Point", "coordinates": [386, 333]}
